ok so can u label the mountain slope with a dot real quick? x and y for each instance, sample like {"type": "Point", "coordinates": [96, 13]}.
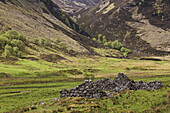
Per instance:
{"type": "Point", "coordinates": [135, 23]}
{"type": "Point", "coordinates": [72, 6]}
{"type": "Point", "coordinates": [38, 19]}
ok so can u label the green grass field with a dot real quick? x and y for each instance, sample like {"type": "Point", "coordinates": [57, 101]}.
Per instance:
{"type": "Point", "coordinates": [25, 83]}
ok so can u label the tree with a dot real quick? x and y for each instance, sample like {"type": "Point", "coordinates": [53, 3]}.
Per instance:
{"type": "Point", "coordinates": [99, 38]}
{"type": "Point", "coordinates": [19, 54]}
{"type": "Point", "coordinates": [42, 42]}
{"type": "Point", "coordinates": [108, 44]}
{"type": "Point", "coordinates": [8, 51]}
{"type": "Point", "coordinates": [12, 34]}
{"type": "Point", "coordinates": [35, 41]}
{"type": "Point", "coordinates": [15, 51]}
{"type": "Point", "coordinates": [104, 39]}
{"type": "Point", "coordinates": [54, 58]}
{"type": "Point", "coordinates": [3, 41]}
{"type": "Point", "coordinates": [18, 43]}
{"type": "Point", "coordinates": [1, 32]}
{"type": "Point", "coordinates": [94, 39]}
{"type": "Point", "coordinates": [125, 51]}
{"type": "Point", "coordinates": [116, 45]}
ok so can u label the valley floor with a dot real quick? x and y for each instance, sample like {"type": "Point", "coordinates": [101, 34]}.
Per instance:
{"type": "Point", "coordinates": [34, 86]}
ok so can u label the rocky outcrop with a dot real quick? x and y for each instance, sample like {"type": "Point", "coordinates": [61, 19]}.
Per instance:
{"type": "Point", "coordinates": [97, 89]}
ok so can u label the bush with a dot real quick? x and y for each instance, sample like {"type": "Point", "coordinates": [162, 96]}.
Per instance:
{"type": "Point", "coordinates": [35, 41]}
{"type": "Point", "coordinates": [108, 44]}
{"type": "Point", "coordinates": [1, 32]}
{"type": "Point", "coordinates": [116, 45]}
{"type": "Point", "coordinates": [18, 43]}
{"type": "Point", "coordinates": [54, 58]}
{"type": "Point", "coordinates": [3, 42]}
{"type": "Point", "coordinates": [42, 42]}
{"type": "Point", "coordinates": [15, 51]}
{"type": "Point", "coordinates": [20, 54]}
{"type": "Point", "coordinates": [7, 52]}
{"type": "Point", "coordinates": [99, 36]}
{"type": "Point", "coordinates": [124, 50]}
{"type": "Point", "coordinates": [94, 39]}
{"type": "Point", "coordinates": [12, 34]}
{"type": "Point", "coordinates": [104, 39]}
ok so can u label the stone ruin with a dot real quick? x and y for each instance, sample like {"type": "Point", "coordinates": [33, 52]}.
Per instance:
{"type": "Point", "coordinates": [98, 89]}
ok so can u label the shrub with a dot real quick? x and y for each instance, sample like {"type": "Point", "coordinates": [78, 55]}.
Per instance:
{"type": "Point", "coordinates": [104, 39]}
{"type": "Point", "coordinates": [15, 51]}
{"type": "Point", "coordinates": [63, 47]}
{"type": "Point", "coordinates": [124, 50]}
{"type": "Point", "coordinates": [1, 32]}
{"type": "Point", "coordinates": [7, 52]}
{"type": "Point", "coordinates": [116, 45]}
{"type": "Point", "coordinates": [35, 41]}
{"type": "Point", "coordinates": [54, 58]}
{"type": "Point", "coordinates": [94, 39]}
{"type": "Point", "coordinates": [18, 43]}
{"type": "Point", "coordinates": [42, 42]}
{"type": "Point", "coordinates": [12, 34]}
{"type": "Point", "coordinates": [20, 54]}
{"type": "Point", "coordinates": [99, 36]}
{"type": "Point", "coordinates": [3, 42]}
{"type": "Point", "coordinates": [108, 44]}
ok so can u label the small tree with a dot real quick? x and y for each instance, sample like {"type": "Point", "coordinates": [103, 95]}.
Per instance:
{"type": "Point", "coordinates": [3, 41]}
{"type": "Point", "coordinates": [100, 36]}
{"type": "Point", "coordinates": [94, 39]}
{"type": "Point", "coordinates": [7, 52]}
{"type": "Point", "coordinates": [35, 41]}
{"type": "Point", "coordinates": [20, 44]}
{"type": "Point", "coordinates": [104, 39]}
{"type": "Point", "coordinates": [12, 34]}
{"type": "Point", "coordinates": [19, 54]}
{"type": "Point", "coordinates": [116, 45]}
{"type": "Point", "coordinates": [125, 51]}
{"type": "Point", "coordinates": [15, 51]}
{"type": "Point", "coordinates": [54, 58]}
{"type": "Point", "coordinates": [108, 44]}
{"type": "Point", "coordinates": [1, 32]}
{"type": "Point", "coordinates": [42, 42]}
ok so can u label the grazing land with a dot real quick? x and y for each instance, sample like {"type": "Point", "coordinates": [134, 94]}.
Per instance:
{"type": "Point", "coordinates": [25, 83]}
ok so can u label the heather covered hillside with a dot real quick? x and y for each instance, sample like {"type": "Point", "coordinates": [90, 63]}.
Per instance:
{"type": "Point", "coordinates": [141, 26]}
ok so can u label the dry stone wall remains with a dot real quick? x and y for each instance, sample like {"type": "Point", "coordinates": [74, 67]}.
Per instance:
{"type": "Point", "coordinates": [98, 89]}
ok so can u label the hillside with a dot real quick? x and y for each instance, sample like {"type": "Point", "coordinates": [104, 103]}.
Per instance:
{"type": "Point", "coordinates": [72, 6]}
{"type": "Point", "coordinates": [142, 26]}
{"type": "Point", "coordinates": [40, 19]}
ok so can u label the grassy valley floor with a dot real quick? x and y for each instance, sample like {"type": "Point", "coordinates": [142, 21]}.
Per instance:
{"type": "Point", "coordinates": [33, 86]}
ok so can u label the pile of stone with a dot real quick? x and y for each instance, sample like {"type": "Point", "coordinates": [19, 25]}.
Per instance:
{"type": "Point", "coordinates": [97, 89]}
{"type": "Point", "coordinates": [87, 89]}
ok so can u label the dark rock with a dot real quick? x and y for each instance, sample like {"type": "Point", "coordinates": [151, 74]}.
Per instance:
{"type": "Point", "coordinates": [96, 89]}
